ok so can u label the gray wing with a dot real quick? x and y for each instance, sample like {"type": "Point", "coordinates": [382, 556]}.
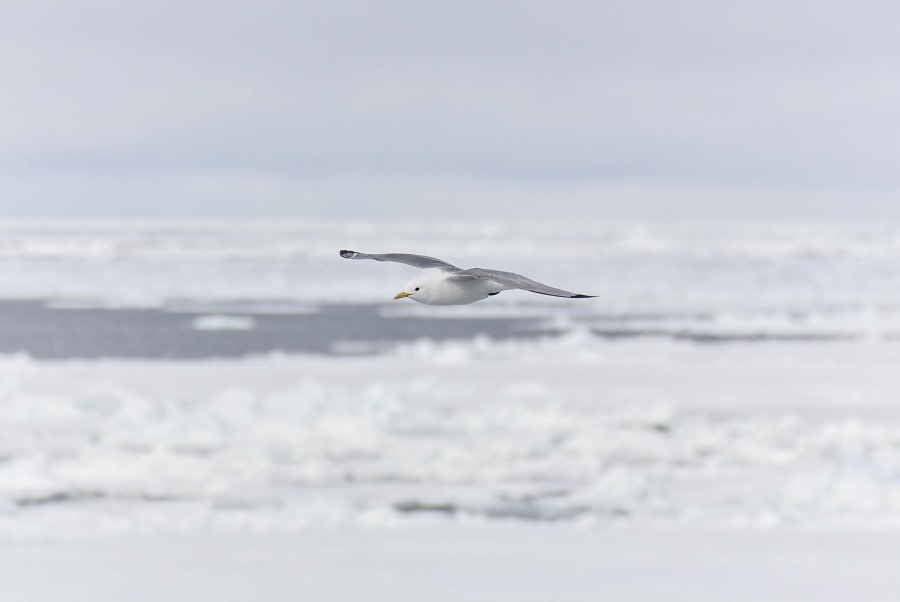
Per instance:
{"type": "Point", "coordinates": [417, 261]}
{"type": "Point", "coordinates": [511, 280]}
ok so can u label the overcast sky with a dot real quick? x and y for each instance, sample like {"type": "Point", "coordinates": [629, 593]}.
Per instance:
{"type": "Point", "coordinates": [638, 109]}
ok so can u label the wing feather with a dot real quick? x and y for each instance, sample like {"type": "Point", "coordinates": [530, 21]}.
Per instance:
{"type": "Point", "coordinates": [512, 280]}
{"type": "Point", "coordinates": [417, 261]}
{"type": "Point", "coordinates": [509, 280]}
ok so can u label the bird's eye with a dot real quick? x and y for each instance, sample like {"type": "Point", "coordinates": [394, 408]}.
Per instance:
{"type": "Point", "coordinates": [417, 288]}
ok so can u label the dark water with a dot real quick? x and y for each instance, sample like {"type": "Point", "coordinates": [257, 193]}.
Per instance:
{"type": "Point", "coordinates": [46, 332]}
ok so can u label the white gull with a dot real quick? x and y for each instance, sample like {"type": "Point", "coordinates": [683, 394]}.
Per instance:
{"type": "Point", "coordinates": [441, 283]}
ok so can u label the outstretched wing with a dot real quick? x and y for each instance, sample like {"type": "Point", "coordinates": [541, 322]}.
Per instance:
{"type": "Point", "coordinates": [511, 280]}
{"type": "Point", "coordinates": [417, 261]}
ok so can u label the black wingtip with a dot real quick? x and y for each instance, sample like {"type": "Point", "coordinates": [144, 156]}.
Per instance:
{"type": "Point", "coordinates": [347, 254]}
{"type": "Point", "coordinates": [583, 297]}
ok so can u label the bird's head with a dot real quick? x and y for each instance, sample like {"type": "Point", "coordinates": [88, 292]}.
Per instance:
{"type": "Point", "coordinates": [420, 289]}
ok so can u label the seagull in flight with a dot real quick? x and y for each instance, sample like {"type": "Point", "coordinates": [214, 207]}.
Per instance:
{"type": "Point", "coordinates": [441, 283]}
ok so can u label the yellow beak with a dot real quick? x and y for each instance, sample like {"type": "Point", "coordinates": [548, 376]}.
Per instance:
{"type": "Point", "coordinates": [401, 295]}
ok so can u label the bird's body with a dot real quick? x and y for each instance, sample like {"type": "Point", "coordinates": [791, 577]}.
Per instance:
{"type": "Point", "coordinates": [441, 283]}
{"type": "Point", "coordinates": [435, 287]}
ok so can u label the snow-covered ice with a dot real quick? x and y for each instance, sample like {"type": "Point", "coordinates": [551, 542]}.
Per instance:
{"type": "Point", "coordinates": [575, 430]}
{"type": "Point", "coordinates": [475, 563]}
{"type": "Point", "coordinates": [223, 322]}
{"type": "Point", "coordinates": [723, 423]}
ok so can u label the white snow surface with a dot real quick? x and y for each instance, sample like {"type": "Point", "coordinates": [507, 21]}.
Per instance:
{"type": "Point", "coordinates": [574, 431]}
{"type": "Point", "coordinates": [475, 563]}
